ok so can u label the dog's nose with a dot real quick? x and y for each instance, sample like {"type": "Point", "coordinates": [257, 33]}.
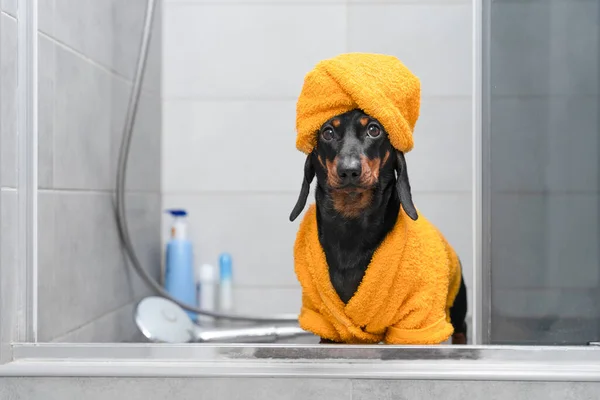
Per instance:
{"type": "Point", "coordinates": [349, 170]}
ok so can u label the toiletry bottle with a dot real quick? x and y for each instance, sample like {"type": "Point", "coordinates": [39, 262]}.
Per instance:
{"type": "Point", "coordinates": [225, 283]}
{"type": "Point", "coordinates": [179, 267]}
{"type": "Point", "coordinates": [207, 291]}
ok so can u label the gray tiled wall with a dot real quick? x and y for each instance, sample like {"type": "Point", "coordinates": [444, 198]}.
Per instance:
{"type": "Point", "coordinates": [545, 154]}
{"type": "Point", "coordinates": [291, 388]}
{"type": "Point", "coordinates": [230, 88]}
{"type": "Point", "coordinates": [87, 55]}
{"type": "Point", "coordinates": [8, 117]}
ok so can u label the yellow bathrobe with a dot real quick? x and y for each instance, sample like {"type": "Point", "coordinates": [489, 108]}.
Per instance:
{"type": "Point", "coordinates": [414, 275]}
{"type": "Point", "coordinates": [404, 297]}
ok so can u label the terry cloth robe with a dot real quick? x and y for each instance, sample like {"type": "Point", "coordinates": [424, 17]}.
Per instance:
{"type": "Point", "coordinates": [404, 297]}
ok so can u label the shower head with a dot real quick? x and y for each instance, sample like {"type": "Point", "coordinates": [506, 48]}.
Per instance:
{"type": "Point", "coordinates": [161, 320]}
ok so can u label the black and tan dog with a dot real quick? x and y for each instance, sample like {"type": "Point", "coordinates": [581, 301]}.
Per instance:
{"type": "Point", "coordinates": [362, 181]}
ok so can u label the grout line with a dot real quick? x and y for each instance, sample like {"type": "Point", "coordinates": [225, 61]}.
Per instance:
{"type": "Point", "coordinates": [202, 99]}
{"type": "Point", "coordinates": [94, 191]}
{"type": "Point", "coordinates": [97, 64]}
{"type": "Point", "coordinates": [415, 192]}
{"type": "Point", "coordinates": [550, 96]}
{"type": "Point", "coordinates": [200, 3]}
{"type": "Point", "coordinates": [87, 323]}
{"type": "Point", "coordinates": [548, 192]}
{"type": "Point", "coordinates": [550, 2]}
{"type": "Point", "coordinates": [553, 288]}
{"type": "Point", "coordinates": [314, 3]}
{"type": "Point", "coordinates": [9, 15]}
{"type": "Point", "coordinates": [285, 286]}
{"type": "Point", "coordinates": [285, 192]}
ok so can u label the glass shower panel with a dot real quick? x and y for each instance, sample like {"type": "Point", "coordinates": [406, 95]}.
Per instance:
{"type": "Point", "coordinates": [544, 141]}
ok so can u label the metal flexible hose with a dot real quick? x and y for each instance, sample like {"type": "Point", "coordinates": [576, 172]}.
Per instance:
{"type": "Point", "coordinates": [120, 189]}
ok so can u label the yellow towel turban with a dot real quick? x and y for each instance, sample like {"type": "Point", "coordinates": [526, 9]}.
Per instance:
{"type": "Point", "coordinates": [378, 84]}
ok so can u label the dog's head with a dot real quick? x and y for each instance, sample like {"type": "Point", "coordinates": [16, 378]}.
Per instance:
{"type": "Point", "coordinates": [352, 160]}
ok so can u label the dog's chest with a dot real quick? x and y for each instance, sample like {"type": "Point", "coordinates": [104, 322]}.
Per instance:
{"type": "Point", "coordinates": [346, 271]}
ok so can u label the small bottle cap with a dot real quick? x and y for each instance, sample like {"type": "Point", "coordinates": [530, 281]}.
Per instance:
{"type": "Point", "coordinates": [177, 212]}
{"type": "Point", "coordinates": [225, 266]}
{"type": "Point", "coordinates": [207, 273]}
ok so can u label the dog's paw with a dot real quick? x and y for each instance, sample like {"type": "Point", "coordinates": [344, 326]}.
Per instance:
{"type": "Point", "coordinates": [327, 341]}
{"type": "Point", "coordinates": [459, 338]}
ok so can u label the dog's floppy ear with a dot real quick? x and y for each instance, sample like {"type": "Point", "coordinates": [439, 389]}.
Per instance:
{"type": "Point", "coordinates": [403, 187]}
{"type": "Point", "coordinates": [309, 174]}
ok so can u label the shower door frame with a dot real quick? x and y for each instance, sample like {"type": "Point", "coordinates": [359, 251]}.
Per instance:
{"type": "Point", "coordinates": [18, 303]}
{"type": "Point", "coordinates": [20, 355]}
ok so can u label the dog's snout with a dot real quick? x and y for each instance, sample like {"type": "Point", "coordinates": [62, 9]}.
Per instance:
{"type": "Point", "coordinates": [349, 170]}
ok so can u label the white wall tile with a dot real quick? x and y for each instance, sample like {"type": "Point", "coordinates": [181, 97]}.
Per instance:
{"type": "Point", "coordinates": [144, 163]}
{"type": "Point", "coordinates": [441, 159]}
{"type": "Point", "coordinates": [46, 17]}
{"type": "Point", "coordinates": [9, 7]}
{"type": "Point", "coordinates": [115, 327]}
{"type": "Point", "coordinates": [265, 301]}
{"type": "Point", "coordinates": [144, 220]}
{"type": "Point", "coordinates": [437, 2]}
{"type": "Point", "coordinates": [254, 228]}
{"type": "Point", "coordinates": [107, 31]}
{"type": "Point", "coordinates": [8, 113]}
{"type": "Point", "coordinates": [433, 41]}
{"type": "Point", "coordinates": [83, 122]}
{"type": "Point", "coordinates": [230, 146]}
{"type": "Point", "coordinates": [81, 256]}
{"type": "Point", "coordinates": [9, 261]}
{"type": "Point", "coordinates": [242, 51]}
{"type": "Point", "coordinates": [46, 103]}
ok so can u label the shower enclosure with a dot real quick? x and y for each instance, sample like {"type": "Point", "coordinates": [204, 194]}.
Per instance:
{"type": "Point", "coordinates": [541, 175]}
{"type": "Point", "coordinates": [534, 110]}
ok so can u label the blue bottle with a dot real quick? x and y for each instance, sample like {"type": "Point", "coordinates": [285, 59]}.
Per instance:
{"type": "Point", "coordinates": [180, 279]}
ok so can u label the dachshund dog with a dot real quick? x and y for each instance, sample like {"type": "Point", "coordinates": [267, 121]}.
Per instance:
{"type": "Point", "coordinates": [362, 182]}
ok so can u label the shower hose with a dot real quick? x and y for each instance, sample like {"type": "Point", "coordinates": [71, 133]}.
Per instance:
{"type": "Point", "coordinates": [120, 189]}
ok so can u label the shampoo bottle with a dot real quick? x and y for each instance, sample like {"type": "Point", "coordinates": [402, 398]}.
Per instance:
{"type": "Point", "coordinates": [179, 263]}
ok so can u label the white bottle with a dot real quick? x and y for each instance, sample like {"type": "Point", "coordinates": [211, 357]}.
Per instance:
{"type": "Point", "coordinates": [225, 284]}
{"type": "Point", "coordinates": [207, 291]}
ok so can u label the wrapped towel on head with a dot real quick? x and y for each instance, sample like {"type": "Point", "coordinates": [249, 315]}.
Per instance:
{"type": "Point", "coordinates": [378, 84]}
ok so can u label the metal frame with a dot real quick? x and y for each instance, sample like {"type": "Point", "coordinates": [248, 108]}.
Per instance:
{"type": "Point", "coordinates": [477, 321]}
{"type": "Point", "coordinates": [4, 341]}
{"type": "Point", "coordinates": [27, 186]}
{"type": "Point", "coordinates": [481, 172]}
{"type": "Point", "coordinates": [18, 308]}
{"type": "Point", "coordinates": [317, 361]}
{"type": "Point", "coordinates": [490, 363]}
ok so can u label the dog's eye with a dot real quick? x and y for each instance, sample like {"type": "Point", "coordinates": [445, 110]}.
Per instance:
{"type": "Point", "coordinates": [373, 130]}
{"type": "Point", "coordinates": [327, 134]}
